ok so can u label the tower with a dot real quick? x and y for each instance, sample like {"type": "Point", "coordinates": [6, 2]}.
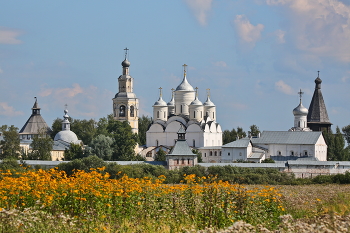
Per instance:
{"type": "Point", "coordinates": [125, 102]}
{"type": "Point", "coordinates": [160, 108]}
{"type": "Point", "coordinates": [184, 95]}
{"type": "Point", "coordinates": [300, 116]}
{"type": "Point", "coordinates": [317, 118]}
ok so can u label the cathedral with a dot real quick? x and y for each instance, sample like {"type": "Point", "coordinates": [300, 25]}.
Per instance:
{"type": "Point", "coordinates": [184, 110]}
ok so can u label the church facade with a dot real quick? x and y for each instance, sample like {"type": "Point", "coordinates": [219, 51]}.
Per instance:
{"type": "Point", "coordinates": [184, 110]}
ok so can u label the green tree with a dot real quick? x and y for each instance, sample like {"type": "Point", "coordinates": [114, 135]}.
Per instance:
{"type": "Point", "coordinates": [254, 131]}
{"type": "Point", "coordinates": [102, 146]}
{"type": "Point", "coordinates": [346, 131]}
{"type": "Point", "coordinates": [268, 160]}
{"type": "Point", "coordinates": [56, 127]}
{"type": "Point", "coordinates": [84, 129]}
{"type": "Point", "coordinates": [230, 136]}
{"type": "Point", "coordinates": [160, 155]}
{"type": "Point", "coordinates": [41, 146]}
{"type": "Point", "coordinates": [199, 155]}
{"type": "Point", "coordinates": [336, 150]}
{"type": "Point", "coordinates": [124, 140]}
{"type": "Point", "coordinates": [75, 151]}
{"type": "Point", "coordinates": [10, 145]}
{"type": "Point", "coordinates": [144, 123]}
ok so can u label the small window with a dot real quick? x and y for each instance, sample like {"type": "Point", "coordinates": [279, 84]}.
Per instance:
{"type": "Point", "coordinates": [157, 143]}
{"type": "Point", "coordinates": [182, 161]}
{"type": "Point", "coordinates": [132, 111]}
{"type": "Point", "coordinates": [157, 114]}
{"type": "Point", "coordinates": [305, 153]}
{"type": "Point", "coordinates": [188, 161]}
{"type": "Point", "coordinates": [216, 153]}
{"type": "Point", "coordinates": [205, 154]}
{"type": "Point", "coordinates": [180, 108]}
{"type": "Point", "coordinates": [240, 153]}
{"type": "Point", "coordinates": [228, 153]}
{"type": "Point", "coordinates": [211, 153]}
{"type": "Point", "coordinates": [213, 116]}
{"type": "Point", "coordinates": [292, 153]}
{"type": "Point", "coordinates": [279, 153]}
{"type": "Point", "coordinates": [164, 115]}
{"type": "Point", "coordinates": [194, 143]}
{"type": "Point", "coordinates": [177, 161]}
{"type": "Point", "coordinates": [194, 114]}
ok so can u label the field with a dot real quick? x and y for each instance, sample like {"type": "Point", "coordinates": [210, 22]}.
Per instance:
{"type": "Point", "coordinates": [50, 201]}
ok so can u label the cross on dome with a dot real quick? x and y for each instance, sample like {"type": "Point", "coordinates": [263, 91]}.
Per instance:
{"type": "Point", "coordinates": [300, 94]}
{"type": "Point", "coordinates": [184, 65]}
{"type": "Point", "coordinates": [126, 52]}
{"type": "Point", "coordinates": [208, 92]}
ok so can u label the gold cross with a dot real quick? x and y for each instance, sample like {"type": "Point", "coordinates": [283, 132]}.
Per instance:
{"type": "Point", "coordinates": [126, 52]}
{"type": "Point", "coordinates": [160, 90]}
{"type": "Point", "coordinates": [184, 65]}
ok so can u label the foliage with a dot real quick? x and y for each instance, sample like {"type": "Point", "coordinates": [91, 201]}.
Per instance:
{"type": "Point", "coordinates": [102, 147]}
{"type": "Point", "coordinates": [336, 144]}
{"type": "Point", "coordinates": [41, 147]}
{"type": "Point", "coordinates": [230, 136]}
{"type": "Point", "coordinates": [84, 164]}
{"type": "Point", "coordinates": [10, 146]}
{"type": "Point", "coordinates": [160, 155]}
{"type": "Point", "coordinates": [92, 197]}
{"type": "Point", "coordinates": [254, 131]}
{"type": "Point", "coordinates": [199, 155]}
{"type": "Point", "coordinates": [268, 160]}
{"type": "Point", "coordinates": [124, 140]}
{"type": "Point", "coordinates": [346, 131]}
{"type": "Point", "coordinates": [84, 129]}
{"type": "Point", "coordinates": [75, 151]}
{"type": "Point", "coordinates": [56, 127]}
{"type": "Point", "coordinates": [144, 123]}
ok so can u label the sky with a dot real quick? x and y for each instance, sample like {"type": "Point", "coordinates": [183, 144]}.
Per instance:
{"type": "Point", "coordinates": [254, 55]}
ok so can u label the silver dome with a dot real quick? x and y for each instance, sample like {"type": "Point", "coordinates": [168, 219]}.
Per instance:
{"type": "Point", "coordinates": [196, 101]}
{"type": "Point", "coordinates": [160, 102]}
{"type": "Point", "coordinates": [208, 102]}
{"type": "Point", "coordinates": [67, 136]}
{"type": "Point", "coordinates": [300, 110]}
{"type": "Point", "coordinates": [184, 86]}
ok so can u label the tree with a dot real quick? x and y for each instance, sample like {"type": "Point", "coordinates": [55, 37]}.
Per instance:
{"type": "Point", "coordinates": [56, 127]}
{"type": "Point", "coordinates": [144, 123]}
{"type": "Point", "coordinates": [41, 146]}
{"type": "Point", "coordinates": [346, 131]}
{"type": "Point", "coordinates": [124, 140]}
{"type": "Point", "coordinates": [84, 129]}
{"type": "Point", "coordinates": [75, 151]}
{"type": "Point", "coordinates": [10, 146]}
{"type": "Point", "coordinates": [102, 146]}
{"type": "Point", "coordinates": [199, 155]}
{"type": "Point", "coordinates": [230, 136]}
{"type": "Point", "coordinates": [160, 155]}
{"type": "Point", "coordinates": [268, 160]}
{"type": "Point", "coordinates": [254, 131]}
{"type": "Point", "coordinates": [335, 146]}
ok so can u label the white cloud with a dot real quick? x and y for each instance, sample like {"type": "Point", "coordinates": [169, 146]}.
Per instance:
{"type": "Point", "coordinates": [8, 36]}
{"type": "Point", "coordinates": [284, 88]}
{"type": "Point", "coordinates": [319, 27]}
{"type": "Point", "coordinates": [220, 64]}
{"type": "Point", "coordinates": [9, 111]}
{"type": "Point", "coordinates": [346, 77]}
{"type": "Point", "coordinates": [247, 32]}
{"type": "Point", "coordinates": [200, 9]}
{"type": "Point", "coordinates": [280, 35]}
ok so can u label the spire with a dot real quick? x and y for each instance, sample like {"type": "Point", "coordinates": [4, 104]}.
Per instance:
{"type": "Point", "coordinates": [126, 63]}
{"type": "Point", "coordinates": [208, 101]}
{"type": "Point", "coordinates": [65, 122]}
{"type": "Point", "coordinates": [184, 85]}
{"type": "Point", "coordinates": [36, 108]}
{"type": "Point", "coordinates": [160, 101]}
{"type": "Point", "coordinates": [300, 94]}
{"type": "Point", "coordinates": [317, 117]}
{"type": "Point", "coordinates": [181, 133]}
{"type": "Point", "coordinates": [172, 101]}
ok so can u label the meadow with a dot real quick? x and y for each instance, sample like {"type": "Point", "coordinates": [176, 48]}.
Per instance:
{"type": "Point", "coordinates": [51, 201]}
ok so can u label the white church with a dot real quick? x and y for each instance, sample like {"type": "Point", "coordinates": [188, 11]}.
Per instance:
{"type": "Point", "coordinates": [186, 110]}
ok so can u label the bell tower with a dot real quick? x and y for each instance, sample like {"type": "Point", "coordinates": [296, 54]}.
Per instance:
{"type": "Point", "coordinates": [125, 102]}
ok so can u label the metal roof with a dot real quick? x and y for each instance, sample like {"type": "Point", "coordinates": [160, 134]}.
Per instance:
{"type": "Point", "coordinates": [288, 137]}
{"type": "Point", "coordinates": [34, 124]}
{"type": "Point", "coordinates": [210, 148]}
{"type": "Point", "coordinates": [318, 163]}
{"type": "Point", "coordinates": [181, 148]}
{"type": "Point", "coordinates": [184, 85]}
{"type": "Point", "coordinates": [251, 165]}
{"type": "Point", "coordinates": [243, 142]}
{"type": "Point", "coordinates": [256, 155]}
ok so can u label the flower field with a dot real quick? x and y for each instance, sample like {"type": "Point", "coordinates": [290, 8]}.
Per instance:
{"type": "Point", "coordinates": [50, 201]}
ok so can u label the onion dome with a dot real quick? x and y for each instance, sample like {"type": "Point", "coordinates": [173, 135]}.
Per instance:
{"type": "Point", "coordinates": [66, 135]}
{"type": "Point", "coordinates": [184, 85]}
{"type": "Point", "coordinates": [126, 63]}
{"type": "Point", "coordinates": [160, 102]}
{"type": "Point", "coordinates": [171, 102]}
{"type": "Point", "coordinates": [300, 110]}
{"type": "Point", "coordinates": [208, 102]}
{"type": "Point", "coordinates": [196, 101]}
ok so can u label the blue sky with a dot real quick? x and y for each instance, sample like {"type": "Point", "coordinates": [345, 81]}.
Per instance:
{"type": "Point", "coordinates": [253, 55]}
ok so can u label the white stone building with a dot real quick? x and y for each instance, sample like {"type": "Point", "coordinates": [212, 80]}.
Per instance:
{"type": "Point", "coordinates": [186, 110]}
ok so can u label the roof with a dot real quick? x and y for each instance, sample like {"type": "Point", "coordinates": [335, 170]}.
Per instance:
{"type": "Point", "coordinates": [327, 163]}
{"type": "Point", "coordinates": [288, 137]}
{"type": "Point", "coordinates": [210, 148]}
{"type": "Point", "coordinates": [317, 109]}
{"type": "Point", "coordinates": [60, 145]}
{"type": "Point", "coordinates": [181, 148]}
{"type": "Point", "coordinates": [243, 142]}
{"type": "Point", "coordinates": [256, 155]}
{"type": "Point", "coordinates": [208, 102]}
{"type": "Point", "coordinates": [34, 124]}
{"type": "Point", "coordinates": [249, 165]}
{"type": "Point", "coordinates": [184, 85]}
{"type": "Point", "coordinates": [160, 102]}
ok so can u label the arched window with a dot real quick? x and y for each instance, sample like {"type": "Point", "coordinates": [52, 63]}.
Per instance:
{"type": "Point", "coordinates": [205, 154]}
{"type": "Point", "coordinates": [216, 153]}
{"type": "Point", "coordinates": [211, 153]}
{"type": "Point", "coordinates": [194, 143]}
{"type": "Point", "coordinates": [228, 153]}
{"type": "Point", "coordinates": [157, 143]}
{"type": "Point", "coordinates": [207, 114]}
{"type": "Point", "coordinates": [213, 115]}
{"type": "Point", "coordinates": [201, 114]}
{"type": "Point", "coordinates": [164, 115]}
{"type": "Point", "coordinates": [194, 114]}
{"type": "Point", "coordinates": [157, 114]}
{"type": "Point", "coordinates": [122, 111]}
{"type": "Point", "coordinates": [305, 153]}
{"type": "Point", "coordinates": [279, 153]}
{"type": "Point", "coordinates": [240, 153]}
{"type": "Point", "coordinates": [188, 161]}
{"type": "Point", "coordinates": [180, 108]}
{"type": "Point", "coordinates": [182, 161]}
{"type": "Point", "coordinates": [132, 111]}
{"type": "Point", "coordinates": [292, 153]}
{"type": "Point", "coordinates": [299, 124]}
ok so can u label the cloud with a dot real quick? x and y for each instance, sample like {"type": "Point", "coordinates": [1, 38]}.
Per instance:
{"type": "Point", "coordinates": [8, 36]}
{"type": "Point", "coordinates": [220, 64]}
{"type": "Point", "coordinates": [200, 9]}
{"type": "Point", "coordinates": [284, 88]}
{"type": "Point", "coordinates": [280, 36]}
{"type": "Point", "coordinates": [6, 110]}
{"type": "Point", "coordinates": [247, 32]}
{"type": "Point", "coordinates": [346, 77]}
{"type": "Point", "coordinates": [319, 27]}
